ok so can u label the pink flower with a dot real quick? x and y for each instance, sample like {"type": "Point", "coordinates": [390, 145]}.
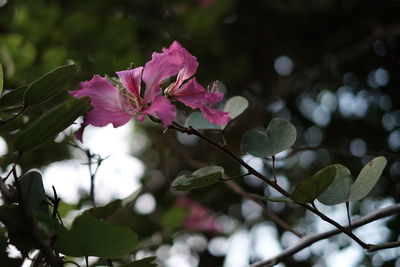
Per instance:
{"type": "Point", "coordinates": [175, 60]}
{"type": "Point", "coordinates": [199, 218]}
{"type": "Point", "coordinates": [117, 104]}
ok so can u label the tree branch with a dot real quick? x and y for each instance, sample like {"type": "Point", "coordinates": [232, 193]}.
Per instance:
{"type": "Point", "coordinates": [273, 184]}
{"type": "Point", "coordinates": [282, 224]}
{"type": "Point", "coordinates": [311, 239]}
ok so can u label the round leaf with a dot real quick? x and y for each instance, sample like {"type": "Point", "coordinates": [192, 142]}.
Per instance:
{"type": "Point", "coordinates": [281, 135]}
{"type": "Point", "coordinates": [200, 178]}
{"type": "Point", "coordinates": [235, 106]}
{"type": "Point", "coordinates": [197, 121]}
{"type": "Point", "coordinates": [255, 143]}
{"type": "Point", "coordinates": [49, 85]}
{"type": "Point", "coordinates": [309, 189]}
{"type": "Point", "coordinates": [338, 191]}
{"type": "Point", "coordinates": [367, 178]}
{"type": "Point", "coordinates": [51, 123]}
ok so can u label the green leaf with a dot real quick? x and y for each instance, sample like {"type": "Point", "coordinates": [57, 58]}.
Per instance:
{"type": "Point", "coordinates": [279, 136]}
{"type": "Point", "coordinates": [146, 262]}
{"type": "Point", "coordinates": [1, 79]}
{"type": "Point", "coordinates": [255, 143]}
{"type": "Point", "coordinates": [338, 191]}
{"type": "Point", "coordinates": [173, 218]}
{"type": "Point", "coordinates": [105, 211]}
{"type": "Point", "coordinates": [202, 177]}
{"type": "Point", "coordinates": [196, 120]}
{"type": "Point", "coordinates": [34, 194]}
{"type": "Point", "coordinates": [49, 85]}
{"type": "Point", "coordinates": [13, 98]}
{"type": "Point", "coordinates": [235, 106]}
{"type": "Point", "coordinates": [51, 123]}
{"type": "Point", "coordinates": [309, 189]}
{"type": "Point", "coordinates": [368, 177]}
{"type": "Point", "coordinates": [272, 199]}
{"type": "Point", "coordinates": [16, 225]}
{"type": "Point", "coordinates": [89, 236]}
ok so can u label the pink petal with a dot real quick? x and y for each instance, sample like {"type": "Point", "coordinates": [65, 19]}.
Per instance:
{"type": "Point", "coordinates": [164, 110]}
{"type": "Point", "coordinates": [131, 80]}
{"type": "Point", "coordinates": [215, 116]}
{"type": "Point", "coordinates": [172, 61]}
{"type": "Point", "coordinates": [190, 62]}
{"type": "Point", "coordinates": [214, 97]}
{"type": "Point", "coordinates": [105, 102]}
{"type": "Point", "coordinates": [191, 94]}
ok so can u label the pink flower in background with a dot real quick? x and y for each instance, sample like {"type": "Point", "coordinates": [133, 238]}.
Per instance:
{"type": "Point", "coordinates": [199, 218]}
{"type": "Point", "coordinates": [117, 104]}
{"type": "Point", "coordinates": [175, 60]}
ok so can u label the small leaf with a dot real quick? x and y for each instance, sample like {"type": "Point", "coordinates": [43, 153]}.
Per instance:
{"type": "Point", "coordinates": [146, 262]}
{"type": "Point", "coordinates": [309, 189]}
{"type": "Point", "coordinates": [34, 194]}
{"type": "Point", "coordinates": [1, 79]}
{"type": "Point", "coordinates": [338, 191]}
{"type": "Point", "coordinates": [202, 177]}
{"type": "Point", "coordinates": [49, 85]}
{"type": "Point", "coordinates": [13, 98]}
{"type": "Point", "coordinates": [255, 143]}
{"type": "Point", "coordinates": [368, 177]}
{"type": "Point", "coordinates": [279, 136]}
{"type": "Point", "coordinates": [272, 199]}
{"type": "Point", "coordinates": [235, 106]}
{"type": "Point", "coordinates": [51, 123]}
{"type": "Point", "coordinates": [89, 236]}
{"type": "Point", "coordinates": [197, 121]}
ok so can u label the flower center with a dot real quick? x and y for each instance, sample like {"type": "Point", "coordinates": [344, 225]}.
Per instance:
{"type": "Point", "coordinates": [128, 102]}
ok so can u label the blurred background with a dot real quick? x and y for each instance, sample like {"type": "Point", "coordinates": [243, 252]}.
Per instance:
{"type": "Point", "coordinates": [331, 67]}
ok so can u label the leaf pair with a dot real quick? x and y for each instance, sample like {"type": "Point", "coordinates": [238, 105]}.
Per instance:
{"type": "Point", "coordinates": [279, 136]}
{"type": "Point", "coordinates": [235, 106]}
{"type": "Point", "coordinates": [333, 184]}
{"type": "Point", "coordinates": [342, 189]}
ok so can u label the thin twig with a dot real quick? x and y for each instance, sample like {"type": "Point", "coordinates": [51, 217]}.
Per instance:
{"type": "Point", "coordinates": [384, 246]}
{"type": "Point", "coordinates": [274, 218]}
{"type": "Point", "coordinates": [273, 168]}
{"type": "Point", "coordinates": [348, 214]}
{"type": "Point", "coordinates": [311, 239]}
{"type": "Point", "coordinates": [235, 177]}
